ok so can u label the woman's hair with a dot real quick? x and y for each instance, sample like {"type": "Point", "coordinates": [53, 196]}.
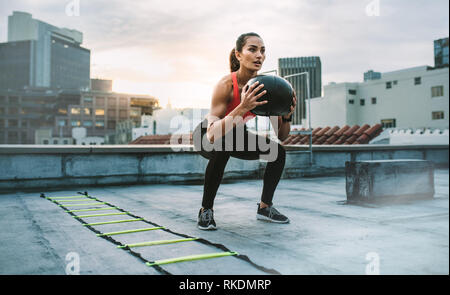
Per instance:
{"type": "Point", "coordinates": [240, 42]}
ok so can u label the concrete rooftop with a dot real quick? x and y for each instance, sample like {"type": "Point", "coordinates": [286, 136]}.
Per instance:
{"type": "Point", "coordinates": [325, 236]}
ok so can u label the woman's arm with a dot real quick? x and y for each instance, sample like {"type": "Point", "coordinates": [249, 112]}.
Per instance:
{"type": "Point", "coordinates": [284, 128]}
{"type": "Point", "coordinates": [218, 123]}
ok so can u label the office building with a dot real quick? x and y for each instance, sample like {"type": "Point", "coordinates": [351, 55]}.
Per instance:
{"type": "Point", "coordinates": [441, 52]}
{"type": "Point", "coordinates": [408, 98]}
{"type": "Point", "coordinates": [23, 112]}
{"type": "Point", "coordinates": [371, 75]}
{"type": "Point", "coordinates": [38, 54]}
{"type": "Point", "coordinates": [294, 65]}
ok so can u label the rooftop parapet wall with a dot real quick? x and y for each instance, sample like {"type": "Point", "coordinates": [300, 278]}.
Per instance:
{"type": "Point", "coordinates": [33, 167]}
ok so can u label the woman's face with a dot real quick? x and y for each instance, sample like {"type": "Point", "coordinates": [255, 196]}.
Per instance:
{"type": "Point", "coordinates": [253, 54]}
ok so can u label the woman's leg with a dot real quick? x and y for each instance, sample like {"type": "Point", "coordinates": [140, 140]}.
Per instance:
{"type": "Point", "coordinates": [213, 177]}
{"type": "Point", "coordinates": [272, 176]}
{"type": "Point", "coordinates": [274, 168]}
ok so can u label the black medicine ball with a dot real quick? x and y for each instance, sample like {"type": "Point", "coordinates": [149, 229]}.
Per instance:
{"type": "Point", "coordinates": [279, 95]}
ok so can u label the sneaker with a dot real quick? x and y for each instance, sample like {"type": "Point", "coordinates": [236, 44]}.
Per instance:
{"type": "Point", "coordinates": [271, 214]}
{"type": "Point", "coordinates": [206, 219]}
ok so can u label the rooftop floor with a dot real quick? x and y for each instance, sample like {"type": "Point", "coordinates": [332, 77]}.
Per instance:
{"type": "Point", "coordinates": [325, 236]}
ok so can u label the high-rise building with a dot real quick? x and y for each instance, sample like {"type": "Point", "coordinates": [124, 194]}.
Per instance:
{"type": "Point", "coordinates": [441, 53]}
{"type": "Point", "coordinates": [294, 65]}
{"type": "Point", "coordinates": [38, 54]}
{"type": "Point", "coordinates": [371, 75]}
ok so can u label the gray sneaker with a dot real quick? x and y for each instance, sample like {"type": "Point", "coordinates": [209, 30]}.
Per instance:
{"type": "Point", "coordinates": [271, 214]}
{"type": "Point", "coordinates": [206, 219]}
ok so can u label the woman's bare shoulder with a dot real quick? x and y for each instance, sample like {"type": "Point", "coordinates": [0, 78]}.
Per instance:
{"type": "Point", "coordinates": [223, 88]}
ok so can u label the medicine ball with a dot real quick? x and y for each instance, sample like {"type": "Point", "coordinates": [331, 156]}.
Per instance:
{"type": "Point", "coordinates": [279, 95]}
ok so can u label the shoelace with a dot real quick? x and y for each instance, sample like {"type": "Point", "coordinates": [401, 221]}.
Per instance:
{"type": "Point", "coordinates": [273, 211]}
{"type": "Point", "coordinates": [207, 215]}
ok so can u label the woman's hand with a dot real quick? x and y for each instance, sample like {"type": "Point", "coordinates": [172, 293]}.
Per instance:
{"type": "Point", "coordinates": [249, 96]}
{"type": "Point", "coordinates": [294, 103]}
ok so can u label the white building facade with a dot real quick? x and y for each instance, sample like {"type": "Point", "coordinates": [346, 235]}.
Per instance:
{"type": "Point", "coordinates": [409, 98]}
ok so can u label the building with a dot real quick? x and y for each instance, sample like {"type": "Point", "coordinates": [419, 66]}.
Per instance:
{"type": "Point", "coordinates": [38, 54]}
{"type": "Point", "coordinates": [294, 65]}
{"type": "Point", "coordinates": [408, 98]}
{"type": "Point", "coordinates": [441, 52]}
{"type": "Point", "coordinates": [22, 112]}
{"type": "Point", "coordinates": [371, 75]}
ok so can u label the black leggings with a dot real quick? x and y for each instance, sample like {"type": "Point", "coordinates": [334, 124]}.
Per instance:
{"type": "Point", "coordinates": [252, 147]}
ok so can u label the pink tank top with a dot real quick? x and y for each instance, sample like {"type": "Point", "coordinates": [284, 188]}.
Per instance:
{"type": "Point", "coordinates": [237, 99]}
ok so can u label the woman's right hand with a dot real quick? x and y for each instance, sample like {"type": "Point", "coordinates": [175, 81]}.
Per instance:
{"type": "Point", "coordinates": [249, 96]}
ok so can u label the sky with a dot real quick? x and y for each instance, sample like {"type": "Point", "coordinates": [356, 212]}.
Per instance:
{"type": "Point", "coordinates": [178, 50]}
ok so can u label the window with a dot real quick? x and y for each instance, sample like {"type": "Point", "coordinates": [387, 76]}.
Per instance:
{"type": "Point", "coordinates": [111, 124]}
{"type": "Point", "coordinates": [13, 111]}
{"type": "Point", "coordinates": [45, 141]}
{"type": "Point", "coordinates": [75, 123]}
{"type": "Point", "coordinates": [437, 91]}
{"type": "Point", "coordinates": [362, 101]}
{"type": "Point", "coordinates": [100, 101]}
{"type": "Point", "coordinates": [112, 113]}
{"type": "Point", "coordinates": [12, 123]}
{"type": "Point", "coordinates": [87, 123]}
{"type": "Point", "coordinates": [13, 100]}
{"type": "Point", "coordinates": [388, 123]}
{"type": "Point", "coordinates": [75, 111]}
{"type": "Point", "coordinates": [417, 80]}
{"type": "Point", "coordinates": [62, 111]}
{"type": "Point", "coordinates": [99, 112]}
{"type": "Point", "coordinates": [2, 111]}
{"type": "Point", "coordinates": [112, 101]}
{"type": "Point", "coordinates": [352, 91]}
{"type": "Point", "coordinates": [122, 114]}
{"type": "Point", "coordinates": [55, 141]}
{"type": "Point", "coordinates": [87, 111]}
{"type": "Point", "coordinates": [65, 141]}
{"type": "Point", "coordinates": [351, 101]}
{"type": "Point", "coordinates": [439, 115]}
{"type": "Point", "coordinates": [87, 99]}
{"type": "Point", "coordinates": [388, 85]}
{"type": "Point", "coordinates": [123, 101]}
{"type": "Point", "coordinates": [99, 124]}
{"type": "Point", "coordinates": [374, 100]}
{"type": "Point", "coordinates": [61, 122]}
{"type": "Point", "coordinates": [134, 113]}
{"type": "Point", "coordinates": [395, 82]}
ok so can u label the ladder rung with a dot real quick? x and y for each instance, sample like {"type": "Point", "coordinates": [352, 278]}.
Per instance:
{"type": "Point", "coordinates": [191, 258]}
{"type": "Point", "coordinates": [112, 222]}
{"type": "Point", "coordinates": [128, 231]}
{"type": "Point", "coordinates": [85, 204]}
{"type": "Point", "coordinates": [69, 197]}
{"type": "Point", "coordinates": [97, 215]}
{"type": "Point", "coordinates": [153, 243]}
{"type": "Point", "coordinates": [96, 209]}
{"type": "Point", "coordinates": [71, 201]}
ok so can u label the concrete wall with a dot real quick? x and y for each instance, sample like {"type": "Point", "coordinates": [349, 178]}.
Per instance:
{"type": "Point", "coordinates": [33, 167]}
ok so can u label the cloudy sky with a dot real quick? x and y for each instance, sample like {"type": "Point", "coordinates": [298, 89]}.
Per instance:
{"type": "Point", "coordinates": [178, 49]}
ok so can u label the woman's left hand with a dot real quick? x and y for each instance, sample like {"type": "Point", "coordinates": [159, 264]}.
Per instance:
{"type": "Point", "coordinates": [294, 103]}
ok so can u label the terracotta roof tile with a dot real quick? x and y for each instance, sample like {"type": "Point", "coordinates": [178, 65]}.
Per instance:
{"type": "Point", "coordinates": [321, 135]}
{"type": "Point", "coordinates": [337, 135]}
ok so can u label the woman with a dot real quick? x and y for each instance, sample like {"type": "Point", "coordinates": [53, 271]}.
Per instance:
{"type": "Point", "coordinates": [230, 109]}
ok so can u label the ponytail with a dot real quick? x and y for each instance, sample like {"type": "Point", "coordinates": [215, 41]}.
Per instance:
{"type": "Point", "coordinates": [234, 62]}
